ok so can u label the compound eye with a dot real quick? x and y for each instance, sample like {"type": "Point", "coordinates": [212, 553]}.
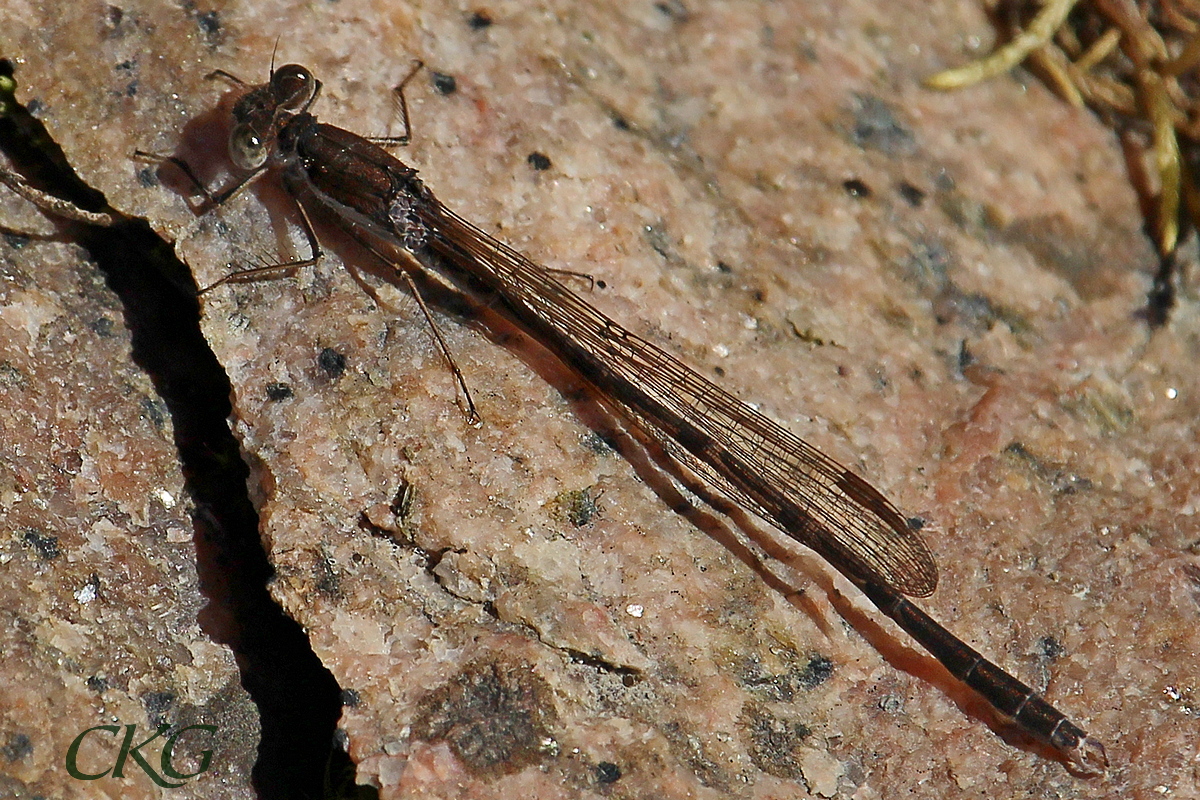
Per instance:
{"type": "Point", "coordinates": [246, 148]}
{"type": "Point", "coordinates": [293, 86]}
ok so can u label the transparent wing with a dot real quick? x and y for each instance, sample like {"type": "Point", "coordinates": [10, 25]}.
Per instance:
{"type": "Point", "coordinates": [757, 462]}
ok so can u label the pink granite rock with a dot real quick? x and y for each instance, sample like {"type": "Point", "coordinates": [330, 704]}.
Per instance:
{"type": "Point", "coordinates": [958, 324]}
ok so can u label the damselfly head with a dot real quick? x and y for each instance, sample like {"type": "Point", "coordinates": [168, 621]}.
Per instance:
{"type": "Point", "coordinates": [265, 109]}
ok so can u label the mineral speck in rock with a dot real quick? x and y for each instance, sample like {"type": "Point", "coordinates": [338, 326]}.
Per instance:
{"type": "Point", "coordinates": [495, 716]}
{"type": "Point", "coordinates": [773, 741]}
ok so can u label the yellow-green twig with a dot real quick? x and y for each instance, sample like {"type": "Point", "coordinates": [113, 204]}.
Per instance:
{"type": "Point", "coordinates": [1040, 31]}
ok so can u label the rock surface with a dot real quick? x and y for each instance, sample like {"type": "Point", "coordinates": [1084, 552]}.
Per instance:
{"type": "Point", "coordinates": [940, 291]}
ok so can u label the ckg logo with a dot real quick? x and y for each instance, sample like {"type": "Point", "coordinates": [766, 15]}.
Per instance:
{"type": "Point", "coordinates": [131, 751]}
